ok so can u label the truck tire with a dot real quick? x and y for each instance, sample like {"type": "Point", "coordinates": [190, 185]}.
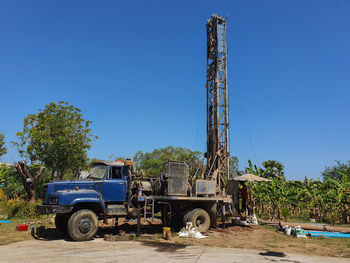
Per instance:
{"type": "Point", "coordinates": [199, 218]}
{"type": "Point", "coordinates": [61, 222]}
{"type": "Point", "coordinates": [82, 225]}
{"type": "Point", "coordinates": [185, 218]}
{"type": "Point", "coordinates": [176, 222]}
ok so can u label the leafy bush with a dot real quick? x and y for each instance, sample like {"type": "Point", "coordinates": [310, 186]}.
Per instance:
{"type": "Point", "coordinates": [331, 218]}
{"type": "Point", "coordinates": [285, 213]}
{"type": "Point", "coordinates": [40, 186]}
{"type": "Point", "coordinates": [302, 216]}
{"type": "Point", "coordinates": [20, 209]}
{"type": "Point", "coordinates": [326, 201]}
{"type": "Point", "coordinates": [13, 186]}
{"type": "Point", "coordinates": [264, 216]}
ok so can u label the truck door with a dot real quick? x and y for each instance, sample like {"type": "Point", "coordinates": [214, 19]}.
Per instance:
{"type": "Point", "coordinates": [114, 186]}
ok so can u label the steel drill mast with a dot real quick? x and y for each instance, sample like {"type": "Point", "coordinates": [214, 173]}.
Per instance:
{"type": "Point", "coordinates": [218, 150]}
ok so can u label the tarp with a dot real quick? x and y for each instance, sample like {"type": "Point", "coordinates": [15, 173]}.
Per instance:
{"type": "Point", "coordinates": [327, 234]}
{"type": "Point", "coordinates": [250, 178]}
{"type": "Point", "coordinates": [317, 227]}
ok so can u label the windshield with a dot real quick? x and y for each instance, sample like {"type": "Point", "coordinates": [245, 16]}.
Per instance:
{"type": "Point", "coordinates": [98, 172]}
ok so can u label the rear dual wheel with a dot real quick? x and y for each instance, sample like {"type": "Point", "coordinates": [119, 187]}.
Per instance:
{"type": "Point", "coordinates": [199, 218]}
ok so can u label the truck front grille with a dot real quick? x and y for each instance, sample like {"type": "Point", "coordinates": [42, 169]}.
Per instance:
{"type": "Point", "coordinates": [44, 193]}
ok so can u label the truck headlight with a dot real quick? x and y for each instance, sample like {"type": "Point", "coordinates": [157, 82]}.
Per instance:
{"type": "Point", "coordinates": [54, 200]}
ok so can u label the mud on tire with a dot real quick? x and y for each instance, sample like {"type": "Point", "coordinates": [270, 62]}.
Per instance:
{"type": "Point", "coordinates": [82, 225]}
{"type": "Point", "coordinates": [199, 218]}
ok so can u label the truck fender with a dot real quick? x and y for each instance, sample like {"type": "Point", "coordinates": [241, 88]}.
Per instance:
{"type": "Point", "coordinates": [91, 200]}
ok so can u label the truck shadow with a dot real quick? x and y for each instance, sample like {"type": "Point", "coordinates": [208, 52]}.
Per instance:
{"type": "Point", "coordinates": [50, 234]}
{"type": "Point", "coordinates": [149, 230]}
{"type": "Point", "coordinates": [130, 228]}
{"type": "Point", "coordinates": [162, 246]}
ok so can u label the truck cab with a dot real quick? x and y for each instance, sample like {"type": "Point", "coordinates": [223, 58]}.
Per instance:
{"type": "Point", "coordinates": [79, 204]}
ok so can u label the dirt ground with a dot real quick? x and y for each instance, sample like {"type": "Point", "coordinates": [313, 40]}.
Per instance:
{"type": "Point", "coordinates": [266, 238]}
{"type": "Point", "coordinates": [233, 244]}
{"type": "Point", "coordinates": [256, 237]}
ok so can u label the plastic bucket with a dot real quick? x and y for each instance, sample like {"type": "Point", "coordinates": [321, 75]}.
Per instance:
{"type": "Point", "coordinates": [165, 230]}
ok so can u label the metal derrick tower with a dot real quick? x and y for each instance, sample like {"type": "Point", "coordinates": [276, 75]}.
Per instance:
{"type": "Point", "coordinates": [218, 150]}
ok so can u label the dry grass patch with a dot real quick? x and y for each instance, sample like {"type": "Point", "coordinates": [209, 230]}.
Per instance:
{"type": "Point", "coordinates": [9, 234]}
{"type": "Point", "coordinates": [267, 239]}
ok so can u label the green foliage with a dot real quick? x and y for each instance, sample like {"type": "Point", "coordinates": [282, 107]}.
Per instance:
{"type": "Point", "coordinates": [255, 170]}
{"type": "Point", "coordinates": [274, 169]}
{"type": "Point", "coordinates": [336, 171]}
{"type": "Point", "coordinates": [331, 218]}
{"type": "Point", "coordinates": [45, 178]}
{"type": "Point", "coordinates": [152, 162]}
{"type": "Point", "coordinates": [3, 149]}
{"type": "Point", "coordinates": [56, 136]}
{"type": "Point", "coordinates": [285, 213]}
{"type": "Point", "coordinates": [327, 200]}
{"type": "Point", "coordinates": [13, 187]}
{"type": "Point", "coordinates": [20, 209]}
{"type": "Point", "coordinates": [234, 169]}
{"type": "Point", "coordinates": [3, 173]}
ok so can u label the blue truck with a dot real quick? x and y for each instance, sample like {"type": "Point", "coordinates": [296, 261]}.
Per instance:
{"type": "Point", "coordinates": [113, 190]}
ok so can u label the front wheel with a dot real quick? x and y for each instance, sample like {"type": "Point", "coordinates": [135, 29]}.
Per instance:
{"type": "Point", "coordinates": [82, 225]}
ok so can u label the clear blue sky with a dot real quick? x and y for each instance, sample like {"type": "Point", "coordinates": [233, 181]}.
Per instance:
{"type": "Point", "coordinates": [137, 70]}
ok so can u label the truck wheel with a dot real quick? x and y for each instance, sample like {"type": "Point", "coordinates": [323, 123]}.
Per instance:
{"type": "Point", "coordinates": [82, 225]}
{"type": "Point", "coordinates": [61, 222]}
{"type": "Point", "coordinates": [176, 222]}
{"type": "Point", "coordinates": [199, 218]}
{"type": "Point", "coordinates": [185, 218]}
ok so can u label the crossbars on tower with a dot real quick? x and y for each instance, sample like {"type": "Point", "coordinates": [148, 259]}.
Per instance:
{"type": "Point", "coordinates": [218, 150]}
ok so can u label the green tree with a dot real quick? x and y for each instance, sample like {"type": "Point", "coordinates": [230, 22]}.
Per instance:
{"type": "Point", "coordinates": [56, 136]}
{"type": "Point", "coordinates": [29, 180]}
{"type": "Point", "coordinates": [327, 200]}
{"type": "Point", "coordinates": [336, 171]}
{"type": "Point", "coordinates": [13, 187]}
{"type": "Point", "coordinates": [3, 173]}
{"type": "Point", "coordinates": [152, 162]}
{"type": "Point", "coordinates": [253, 169]}
{"type": "Point", "coordinates": [234, 169]}
{"type": "Point", "coordinates": [13, 184]}
{"type": "Point", "coordinates": [274, 169]}
{"type": "Point", "coordinates": [3, 149]}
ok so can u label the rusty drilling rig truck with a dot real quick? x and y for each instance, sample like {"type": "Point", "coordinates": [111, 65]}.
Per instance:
{"type": "Point", "coordinates": [114, 190]}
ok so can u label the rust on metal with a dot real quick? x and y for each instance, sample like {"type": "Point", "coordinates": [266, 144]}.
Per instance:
{"type": "Point", "coordinates": [218, 149]}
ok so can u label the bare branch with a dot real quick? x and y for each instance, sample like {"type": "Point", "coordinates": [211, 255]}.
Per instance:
{"type": "Point", "coordinates": [38, 174]}
{"type": "Point", "coordinates": [25, 170]}
{"type": "Point", "coordinates": [23, 177]}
